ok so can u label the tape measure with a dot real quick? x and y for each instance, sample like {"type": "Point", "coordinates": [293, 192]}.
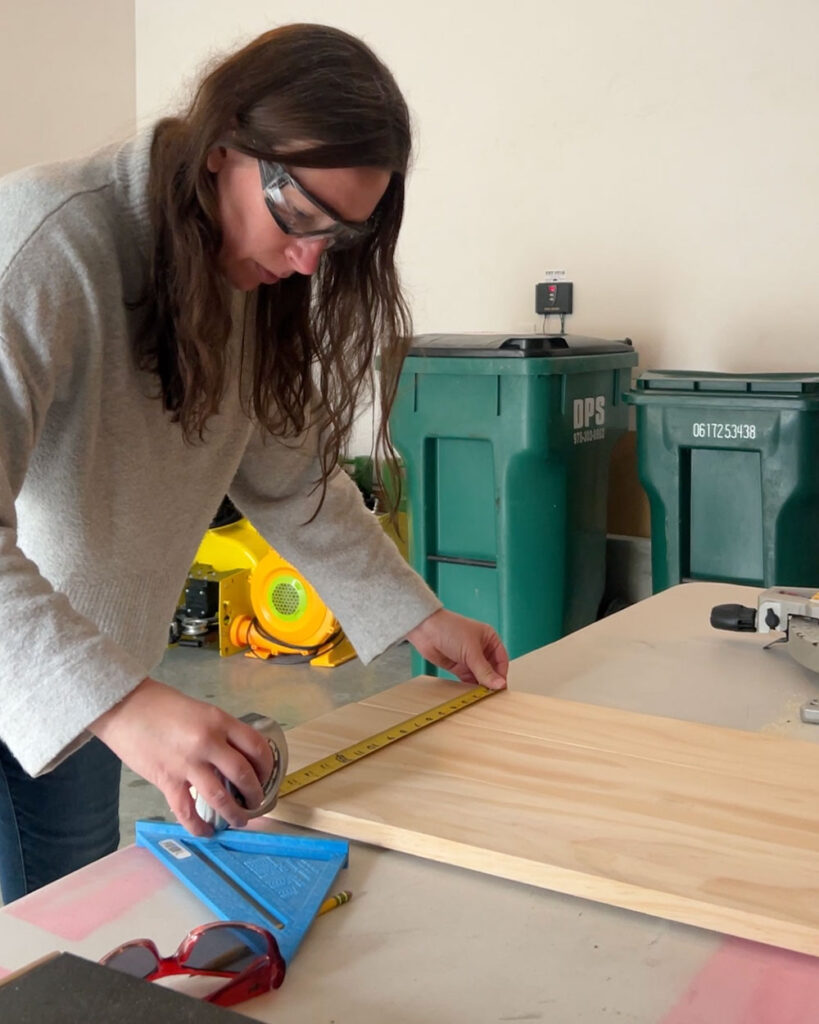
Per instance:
{"type": "Point", "coordinates": [349, 755]}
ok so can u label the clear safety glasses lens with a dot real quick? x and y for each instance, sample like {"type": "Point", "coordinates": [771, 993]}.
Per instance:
{"type": "Point", "coordinates": [301, 215]}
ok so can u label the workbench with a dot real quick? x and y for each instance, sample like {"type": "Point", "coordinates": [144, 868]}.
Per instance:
{"type": "Point", "coordinates": [422, 941]}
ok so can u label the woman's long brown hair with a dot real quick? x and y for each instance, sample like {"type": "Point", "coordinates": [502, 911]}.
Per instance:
{"type": "Point", "coordinates": [322, 93]}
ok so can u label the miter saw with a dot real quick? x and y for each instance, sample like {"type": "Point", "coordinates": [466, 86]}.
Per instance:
{"type": "Point", "coordinates": [793, 611]}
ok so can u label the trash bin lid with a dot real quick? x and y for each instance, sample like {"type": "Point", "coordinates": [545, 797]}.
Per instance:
{"type": "Point", "coordinates": [728, 383]}
{"type": "Point", "coordinates": [516, 346]}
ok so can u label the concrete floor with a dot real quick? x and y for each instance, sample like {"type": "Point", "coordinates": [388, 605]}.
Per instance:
{"type": "Point", "coordinates": [288, 693]}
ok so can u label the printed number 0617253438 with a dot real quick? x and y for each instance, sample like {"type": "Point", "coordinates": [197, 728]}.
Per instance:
{"type": "Point", "coordinates": [725, 431]}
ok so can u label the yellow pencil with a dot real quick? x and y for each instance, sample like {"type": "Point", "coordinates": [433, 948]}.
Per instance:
{"type": "Point", "coordinates": [335, 901]}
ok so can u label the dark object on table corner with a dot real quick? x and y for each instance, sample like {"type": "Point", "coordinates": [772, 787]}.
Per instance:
{"type": "Point", "coordinates": [67, 989]}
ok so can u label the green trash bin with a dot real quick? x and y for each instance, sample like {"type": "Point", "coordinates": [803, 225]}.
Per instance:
{"type": "Point", "coordinates": [729, 463]}
{"type": "Point", "coordinates": [506, 442]}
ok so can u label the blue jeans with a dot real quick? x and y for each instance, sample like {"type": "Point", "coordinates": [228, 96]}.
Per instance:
{"type": "Point", "coordinates": [54, 824]}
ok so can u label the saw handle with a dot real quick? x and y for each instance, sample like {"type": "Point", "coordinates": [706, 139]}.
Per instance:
{"type": "Point", "coordinates": [736, 617]}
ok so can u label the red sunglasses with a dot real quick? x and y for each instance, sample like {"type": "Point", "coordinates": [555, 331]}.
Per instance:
{"type": "Point", "coordinates": [244, 953]}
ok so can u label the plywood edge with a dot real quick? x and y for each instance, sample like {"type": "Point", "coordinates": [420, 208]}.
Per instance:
{"type": "Point", "coordinates": [684, 910]}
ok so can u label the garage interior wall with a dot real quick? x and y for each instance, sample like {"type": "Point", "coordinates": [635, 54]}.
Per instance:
{"type": "Point", "coordinates": [67, 78]}
{"type": "Point", "coordinates": [663, 155]}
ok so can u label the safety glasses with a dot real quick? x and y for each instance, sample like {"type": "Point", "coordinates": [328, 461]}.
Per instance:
{"type": "Point", "coordinates": [300, 214]}
{"type": "Point", "coordinates": [244, 954]}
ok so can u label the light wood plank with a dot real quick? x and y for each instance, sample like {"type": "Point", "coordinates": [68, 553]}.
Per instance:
{"type": "Point", "coordinates": [708, 826]}
{"type": "Point", "coordinates": [765, 757]}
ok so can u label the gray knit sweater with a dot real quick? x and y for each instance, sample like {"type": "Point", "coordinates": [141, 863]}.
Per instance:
{"type": "Point", "coordinates": [102, 503]}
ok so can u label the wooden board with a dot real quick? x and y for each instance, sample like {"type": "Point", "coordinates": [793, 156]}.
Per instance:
{"type": "Point", "coordinates": [708, 826]}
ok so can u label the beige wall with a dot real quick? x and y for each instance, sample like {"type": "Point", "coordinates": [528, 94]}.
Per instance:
{"type": "Point", "coordinates": [664, 154]}
{"type": "Point", "coordinates": [67, 77]}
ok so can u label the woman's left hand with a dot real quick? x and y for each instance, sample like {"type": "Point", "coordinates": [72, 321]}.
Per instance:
{"type": "Point", "coordinates": [469, 649]}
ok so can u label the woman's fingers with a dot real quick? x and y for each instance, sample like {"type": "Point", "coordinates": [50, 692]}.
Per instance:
{"type": "Point", "coordinates": [254, 749]}
{"type": "Point", "coordinates": [471, 650]}
{"type": "Point", "coordinates": [235, 768]}
{"type": "Point", "coordinates": [182, 806]}
{"type": "Point", "coordinates": [211, 787]}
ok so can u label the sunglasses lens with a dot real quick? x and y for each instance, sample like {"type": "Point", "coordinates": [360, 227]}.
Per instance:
{"type": "Point", "coordinates": [137, 961]}
{"type": "Point", "coordinates": [228, 948]}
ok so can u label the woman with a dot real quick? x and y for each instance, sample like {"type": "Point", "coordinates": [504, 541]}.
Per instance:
{"type": "Point", "coordinates": [191, 314]}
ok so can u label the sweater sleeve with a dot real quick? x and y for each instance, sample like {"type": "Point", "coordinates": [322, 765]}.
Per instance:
{"type": "Point", "coordinates": [57, 671]}
{"type": "Point", "coordinates": [342, 551]}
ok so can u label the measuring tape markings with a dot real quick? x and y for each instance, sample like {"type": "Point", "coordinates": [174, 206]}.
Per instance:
{"type": "Point", "coordinates": [355, 752]}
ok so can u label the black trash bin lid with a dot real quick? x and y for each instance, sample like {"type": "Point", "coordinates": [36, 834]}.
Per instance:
{"type": "Point", "coordinates": [516, 346]}
{"type": "Point", "coordinates": [728, 383]}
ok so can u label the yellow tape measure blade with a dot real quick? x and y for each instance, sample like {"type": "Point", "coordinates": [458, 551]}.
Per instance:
{"type": "Point", "coordinates": [363, 748]}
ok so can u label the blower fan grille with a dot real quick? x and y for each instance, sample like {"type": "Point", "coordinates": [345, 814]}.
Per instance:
{"type": "Point", "coordinates": [285, 598]}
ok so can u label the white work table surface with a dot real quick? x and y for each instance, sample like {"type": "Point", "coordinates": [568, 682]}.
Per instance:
{"type": "Point", "coordinates": [424, 942]}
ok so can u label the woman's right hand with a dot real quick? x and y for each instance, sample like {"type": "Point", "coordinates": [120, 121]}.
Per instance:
{"type": "Point", "coordinates": [176, 742]}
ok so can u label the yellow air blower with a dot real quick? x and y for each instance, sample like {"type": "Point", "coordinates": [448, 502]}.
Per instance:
{"type": "Point", "coordinates": [289, 618]}
{"type": "Point", "coordinates": [263, 602]}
